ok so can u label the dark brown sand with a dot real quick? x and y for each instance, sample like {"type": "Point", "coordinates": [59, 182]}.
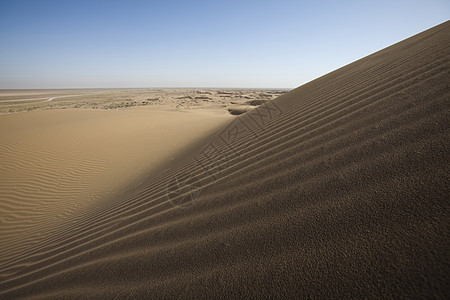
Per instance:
{"type": "Point", "coordinates": [336, 189]}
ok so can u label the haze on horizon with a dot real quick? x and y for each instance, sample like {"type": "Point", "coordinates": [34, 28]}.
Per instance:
{"type": "Point", "coordinates": [265, 44]}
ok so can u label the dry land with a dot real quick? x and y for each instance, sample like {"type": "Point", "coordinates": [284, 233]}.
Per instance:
{"type": "Point", "coordinates": [338, 189]}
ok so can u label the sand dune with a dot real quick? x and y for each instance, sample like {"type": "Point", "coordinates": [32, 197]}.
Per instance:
{"type": "Point", "coordinates": [338, 189]}
{"type": "Point", "coordinates": [55, 164]}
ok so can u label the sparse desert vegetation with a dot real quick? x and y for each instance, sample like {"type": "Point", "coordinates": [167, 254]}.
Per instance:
{"type": "Point", "coordinates": [232, 100]}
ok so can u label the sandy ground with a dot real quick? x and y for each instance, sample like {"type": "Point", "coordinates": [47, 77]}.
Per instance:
{"type": "Point", "coordinates": [60, 158]}
{"type": "Point", "coordinates": [219, 100]}
{"type": "Point", "coordinates": [58, 163]}
{"type": "Point", "coordinates": [337, 189]}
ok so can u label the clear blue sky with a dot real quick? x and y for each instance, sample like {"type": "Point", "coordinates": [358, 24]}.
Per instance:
{"type": "Point", "coordinates": [188, 43]}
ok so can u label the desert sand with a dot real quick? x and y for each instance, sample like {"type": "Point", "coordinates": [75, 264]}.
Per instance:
{"type": "Point", "coordinates": [336, 189]}
{"type": "Point", "coordinates": [58, 162]}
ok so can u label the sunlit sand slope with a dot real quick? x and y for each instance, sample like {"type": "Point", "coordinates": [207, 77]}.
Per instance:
{"type": "Point", "coordinates": [55, 165]}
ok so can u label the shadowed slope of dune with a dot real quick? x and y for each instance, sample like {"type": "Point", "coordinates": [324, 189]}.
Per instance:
{"type": "Point", "coordinates": [338, 188]}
